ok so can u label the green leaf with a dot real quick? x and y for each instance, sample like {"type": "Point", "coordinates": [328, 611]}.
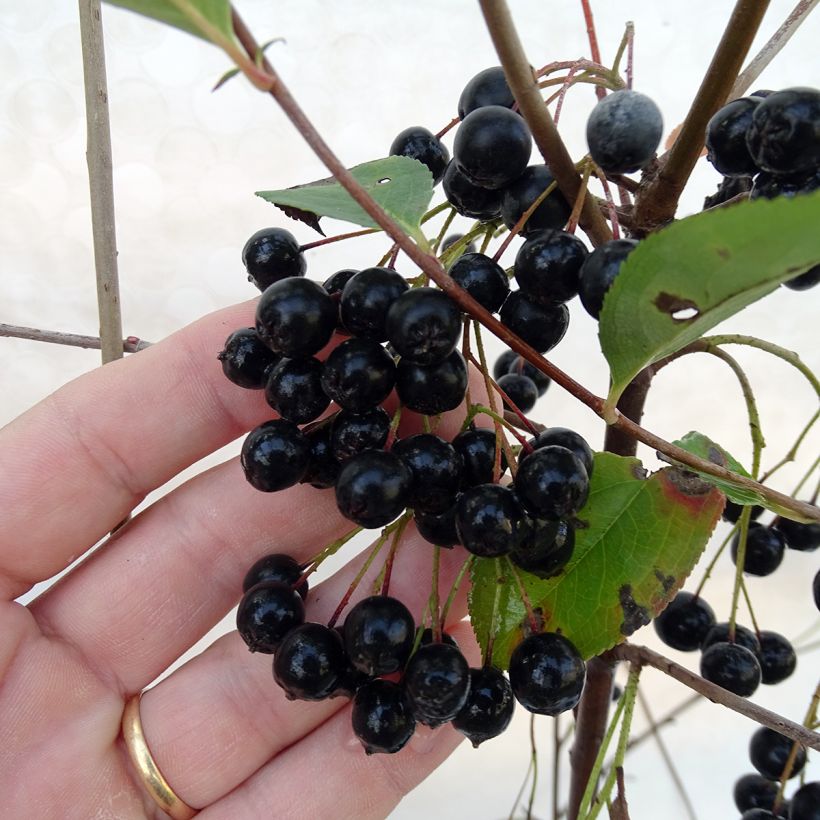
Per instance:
{"type": "Point", "coordinates": [714, 263]}
{"type": "Point", "coordinates": [637, 541]}
{"type": "Point", "coordinates": [402, 186]}
{"type": "Point", "coordinates": [202, 18]}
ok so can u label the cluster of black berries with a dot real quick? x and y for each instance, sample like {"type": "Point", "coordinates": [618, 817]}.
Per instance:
{"type": "Point", "coordinates": [769, 144]}
{"type": "Point", "coordinates": [756, 794]}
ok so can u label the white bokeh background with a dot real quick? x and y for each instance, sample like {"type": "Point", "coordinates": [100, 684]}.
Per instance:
{"type": "Point", "coordinates": [187, 162]}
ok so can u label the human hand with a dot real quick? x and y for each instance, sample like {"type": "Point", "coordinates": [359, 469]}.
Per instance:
{"type": "Point", "coordinates": [219, 729]}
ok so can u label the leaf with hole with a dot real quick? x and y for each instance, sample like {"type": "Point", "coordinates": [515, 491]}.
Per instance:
{"type": "Point", "coordinates": [637, 541]}
{"type": "Point", "coordinates": [402, 186]}
{"type": "Point", "coordinates": [683, 280]}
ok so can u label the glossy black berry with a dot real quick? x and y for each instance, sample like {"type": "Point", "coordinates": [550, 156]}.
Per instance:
{"type": "Point", "coordinates": [744, 636]}
{"type": "Point", "coordinates": [801, 537]}
{"type": "Point", "coordinates": [294, 390]}
{"type": "Point", "coordinates": [310, 662]}
{"type": "Point", "coordinates": [540, 326]}
{"type": "Point", "coordinates": [477, 451]}
{"type": "Point", "coordinates": [482, 278]}
{"type": "Point", "coordinates": [552, 482]}
{"type": "Point", "coordinates": [436, 468]}
{"type": "Point", "coordinates": [623, 132]}
{"type": "Point", "coordinates": [731, 666]}
{"type": "Point", "coordinates": [805, 802]}
{"type": "Point", "coordinates": [379, 633]}
{"type": "Point", "coordinates": [266, 613]}
{"type": "Point", "coordinates": [492, 146]}
{"type": "Point", "coordinates": [373, 488]}
{"type": "Point", "coordinates": [335, 283]}
{"type": "Point", "coordinates": [771, 186]}
{"type": "Point", "coordinates": [469, 199]}
{"type": "Point", "coordinates": [490, 520]}
{"type": "Point", "coordinates": [521, 367]}
{"type": "Point", "coordinates": [777, 657]}
{"type": "Point", "coordinates": [548, 266]}
{"type": "Point", "coordinates": [520, 195]}
{"type": "Point", "coordinates": [358, 374]}
{"type": "Point", "coordinates": [599, 271]}
{"type": "Point", "coordinates": [764, 549]}
{"type": "Point", "coordinates": [488, 87]}
{"type": "Point", "coordinates": [547, 673]}
{"type": "Point", "coordinates": [489, 707]}
{"type": "Point", "coordinates": [246, 360]}
{"type": "Point", "coordinates": [424, 325]}
{"type": "Point", "coordinates": [438, 528]}
{"type": "Point", "coordinates": [521, 391]}
{"type": "Point", "coordinates": [546, 547]}
{"type": "Point", "coordinates": [732, 511]}
{"type": "Point", "coordinates": [437, 682]}
{"type": "Point", "coordinates": [276, 567]}
{"type": "Point", "coordinates": [381, 718]}
{"type": "Point", "coordinates": [564, 437]}
{"type": "Point", "coordinates": [451, 240]}
{"type": "Point", "coordinates": [323, 469]}
{"type": "Point", "coordinates": [726, 138]}
{"type": "Point", "coordinates": [685, 621]}
{"type": "Point", "coordinates": [804, 281]}
{"type": "Point", "coordinates": [769, 750]}
{"type": "Point", "coordinates": [752, 791]}
{"type": "Point", "coordinates": [275, 456]}
{"type": "Point", "coordinates": [272, 254]}
{"type": "Point", "coordinates": [784, 136]}
{"type": "Point", "coordinates": [420, 144]}
{"type": "Point", "coordinates": [432, 389]}
{"type": "Point", "coordinates": [503, 363]}
{"type": "Point", "coordinates": [353, 433]}
{"type": "Point", "coordinates": [365, 300]}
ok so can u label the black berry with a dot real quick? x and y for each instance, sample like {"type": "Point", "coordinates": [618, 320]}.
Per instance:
{"type": "Point", "coordinates": [801, 537]}
{"type": "Point", "coordinates": [310, 662]}
{"type": "Point", "coordinates": [764, 549]}
{"type": "Point", "coordinates": [437, 682]}
{"type": "Point", "coordinates": [477, 451]}
{"type": "Point", "coordinates": [548, 266]}
{"type": "Point", "coordinates": [731, 666]}
{"type": "Point", "coordinates": [432, 389]}
{"type": "Point", "coordinates": [519, 196]}
{"type": "Point", "coordinates": [769, 750]}
{"type": "Point", "coordinates": [563, 437]}
{"type": "Point", "coordinates": [482, 278]}
{"type": "Point", "coordinates": [805, 802]}
{"type": "Point", "coordinates": [469, 199]}
{"type": "Point", "coordinates": [488, 87]}
{"type": "Point", "coordinates": [424, 325]}
{"type": "Point", "coordinates": [294, 390]}
{"type": "Point", "coordinates": [266, 613]}
{"type": "Point", "coordinates": [373, 488]}
{"type": "Point", "coordinates": [752, 791]}
{"type": "Point", "coordinates": [719, 633]}
{"type": "Point", "coordinates": [552, 482]}
{"type": "Point", "coordinates": [545, 548]}
{"type": "Point", "coordinates": [381, 718]}
{"type": "Point", "coordinates": [272, 254]}
{"type": "Point", "coordinates": [420, 144]}
{"type": "Point", "coordinates": [246, 360]}
{"type": "Point", "coordinates": [378, 635]}
{"type": "Point", "coordinates": [438, 528]}
{"type": "Point", "coordinates": [490, 520]}
{"type": "Point", "coordinates": [540, 326]}
{"type": "Point", "coordinates": [323, 469]}
{"type": "Point", "coordinates": [436, 469]}
{"type": "Point", "coordinates": [276, 567]}
{"type": "Point", "coordinates": [275, 456]}
{"type": "Point", "coordinates": [732, 511]}
{"type": "Point", "coordinates": [777, 657]}
{"type": "Point", "coordinates": [521, 391]}
{"type": "Point", "coordinates": [353, 433]}
{"type": "Point", "coordinates": [726, 138]}
{"type": "Point", "coordinates": [685, 621]}
{"type": "Point", "coordinates": [503, 363]}
{"type": "Point", "coordinates": [489, 707]}
{"type": "Point", "coordinates": [365, 300]}
{"type": "Point", "coordinates": [335, 283]}
{"type": "Point", "coordinates": [358, 374]}
{"type": "Point", "coordinates": [599, 271]}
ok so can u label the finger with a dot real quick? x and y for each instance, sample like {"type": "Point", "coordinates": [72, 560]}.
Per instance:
{"type": "Point", "coordinates": [216, 720]}
{"type": "Point", "coordinates": [352, 784]}
{"type": "Point", "coordinates": [77, 463]}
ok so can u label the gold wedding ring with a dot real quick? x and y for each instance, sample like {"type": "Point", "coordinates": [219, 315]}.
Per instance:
{"type": "Point", "coordinates": [150, 775]}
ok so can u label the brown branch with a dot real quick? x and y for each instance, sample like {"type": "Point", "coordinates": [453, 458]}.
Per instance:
{"type": "Point", "coordinates": [716, 694]}
{"type": "Point", "coordinates": [658, 200]}
{"type": "Point", "coordinates": [132, 344]}
{"type": "Point", "coordinates": [100, 180]}
{"type": "Point", "coordinates": [528, 96]}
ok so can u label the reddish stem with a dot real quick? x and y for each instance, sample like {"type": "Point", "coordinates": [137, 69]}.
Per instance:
{"type": "Point", "coordinates": [594, 51]}
{"type": "Point", "coordinates": [338, 238]}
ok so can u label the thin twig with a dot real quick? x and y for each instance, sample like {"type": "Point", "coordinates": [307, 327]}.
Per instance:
{"type": "Point", "coordinates": [594, 51]}
{"type": "Point", "coordinates": [132, 344]}
{"type": "Point", "coordinates": [100, 180]}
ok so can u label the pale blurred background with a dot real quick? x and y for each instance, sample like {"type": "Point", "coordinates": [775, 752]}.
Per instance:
{"type": "Point", "coordinates": [187, 162]}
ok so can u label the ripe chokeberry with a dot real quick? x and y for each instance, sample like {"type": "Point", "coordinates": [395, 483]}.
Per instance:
{"type": "Point", "coordinates": [805, 802]}
{"type": "Point", "coordinates": [246, 360]}
{"type": "Point", "coordinates": [477, 451]}
{"type": "Point", "coordinates": [732, 666]}
{"type": "Point", "coordinates": [552, 482]}
{"type": "Point", "coordinates": [488, 87]}
{"type": "Point", "coordinates": [519, 196]}
{"type": "Point", "coordinates": [294, 390]}
{"type": "Point", "coordinates": [540, 326]}
{"type": "Point", "coordinates": [815, 589]}
{"type": "Point", "coordinates": [490, 520]}
{"type": "Point", "coordinates": [799, 536]}
{"type": "Point", "coordinates": [489, 707]}
{"type": "Point", "coordinates": [482, 278]}
{"type": "Point", "coordinates": [764, 549]}
{"type": "Point", "coordinates": [492, 146]}
{"type": "Point", "coordinates": [373, 488]}
{"type": "Point", "coordinates": [323, 469]}
{"type": "Point", "coordinates": [436, 469]}
{"type": "Point", "coordinates": [272, 254]}
{"type": "Point", "coordinates": [378, 635]}
{"type": "Point", "coordinates": [469, 199]}
{"type": "Point", "coordinates": [276, 567]}
{"type": "Point", "coordinates": [310, 662]}
{"type": "Point", "coordinates": [438, 528]}
{"type": "Point", "coordinates": [771, 186]}
{"type": "Point", "coordinates": [744, 636]}
{"type": "Point", "coordinates": [424, 325]}
{"type": "Point", "coordinates": [726, 138]}
{"type": "Point", "coordinates": [804, 281]}
{"type": "Point", "coordinates": [521, 367]}
{"type": "Point", "coordinates": [352, 433]}
{"type": "Point", "coordinates": [382, 719]}
{"type": "Point", "coordinates": [335, 283]}
{"type": "Point", "coordinates": [548, 266]}
{"type": "Point", "coordinates": [685, 621]}
{"type": "Point", "coordinates": [295, 317]}
{"type": "Point", "coordinates": [365, 300]}
{"type": "Point", "coordinates": [521, 390]}
{"type": "Point", "coordinates": [564, 437]}
{"type": "Point", "coordinates": [546, 547]}
{"type": "Point", "coordinates": [623, 132]}
{"type": "Point", "coordinates": [420, 144]}
{"type": "Point", "coordinates": [432, 389]}
{"type": "Point", "coordinates": [267, 613]}
{"type": "Point", "coordinates": [547, 673]}
{"type": "Point", "coordinates": [275, 456]}
{"type": "Point", "coordinates": [436, 682]}
{"type": "Point", "coordinates": [358, 374]}
{"type": "Point", "coordinates": [732, 511]}
{"type": "Point", "coordinates": [769, 751]}
{"type": "Point", "coordinates": [753, 791]}
{"type": "Point", "coordinates": [450, 240]}
{"type": "Point", "coordinates": [503, 363]}
{"type": "Point", "coordinates": [599, 271]}
{"type": "Point", "coordinates": [777, 657]}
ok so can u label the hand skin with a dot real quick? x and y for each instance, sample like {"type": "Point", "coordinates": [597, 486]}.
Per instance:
{"type": "Point", "coordinates": [220, 730]}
